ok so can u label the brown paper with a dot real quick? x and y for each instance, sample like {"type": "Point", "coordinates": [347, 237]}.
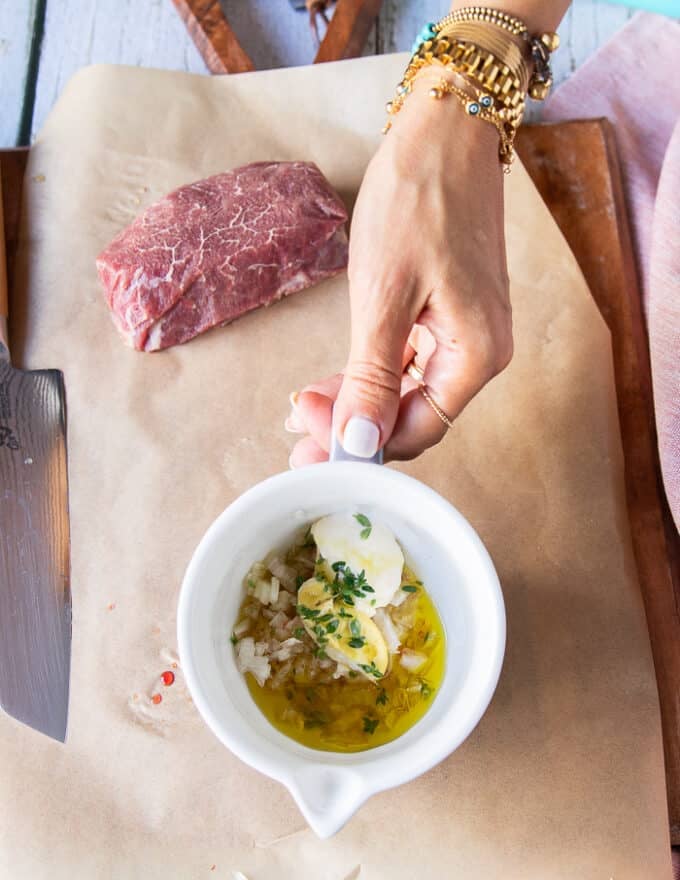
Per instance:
{"type": "Point", "coordinates": [563, 778]}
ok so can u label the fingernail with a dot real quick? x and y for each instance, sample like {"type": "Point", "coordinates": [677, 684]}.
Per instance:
{"type": "Point", "coordinates": [361, 437]}
{"type": "Point", "coordinates": [293, 424]}
{"type": "Point", "coordinates": [293, 397]}
{"type": "Point", "coordinates": [290, 463]}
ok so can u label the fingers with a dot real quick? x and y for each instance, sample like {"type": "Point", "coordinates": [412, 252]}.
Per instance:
{"type": "Point", "coordinates": [455, 372]}
{"type": "Point", "coordinates": [312, 408]}
{"type": "Point", "coordinates": [368, 402]}
{"type": "Point", "coordinates": [422, 344]}
{"type": "Point", "coordinates": [313, 413]}
{"type": "Point", "coordinates": [306, 451]}
{"type": "Point", "coordinates": [417, 428]}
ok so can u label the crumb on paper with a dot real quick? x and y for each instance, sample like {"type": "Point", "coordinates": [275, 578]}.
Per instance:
{"type": "Point", "coordinates": [354, 874]}
{"type": "Point", "coordinates": [155, 630]}
{"type": "Point", "coordinates": [110, 606]}
{"type": "Point", "coordinates": [38, 178]}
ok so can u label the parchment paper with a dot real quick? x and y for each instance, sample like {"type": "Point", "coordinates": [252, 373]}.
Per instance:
{"type": "Point", "coordinates": [563, 778]}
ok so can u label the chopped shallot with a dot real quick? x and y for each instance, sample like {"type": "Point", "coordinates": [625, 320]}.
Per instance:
{"type": "Point", "coordinates": [294, 623]}
{"type": "Point", "coordinates": [384, 623]}
{"type": "Point", "coordinates": [284, 600]}
{"type": "Point", "coordinates": [266, 591]}
{"type": "Point", "coordinates": [242, 628]}
{"type": "Point", "coordinates": [285, 573]}
{"type": "Point", "coordinates": [287, 649]}
{"type": "Point", "coordinates": [279, 625]}
{"type": "Point", "coordinates": [412, 660]}
{"type": "Point", "coordinates": [399, 597]}
{"type": "Point", "coordinates": [247, 661]}
{"type": "Point", "coordinates": [262, 591]}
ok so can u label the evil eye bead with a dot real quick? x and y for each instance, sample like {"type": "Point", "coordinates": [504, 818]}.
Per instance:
{"type": "Point", "coordinates": [486, 101]}
{"type": "Point", "coordinates": [472, 108]}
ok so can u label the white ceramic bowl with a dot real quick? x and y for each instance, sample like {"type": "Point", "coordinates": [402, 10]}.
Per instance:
{"type": "Point", "coordinates": [447, 556]}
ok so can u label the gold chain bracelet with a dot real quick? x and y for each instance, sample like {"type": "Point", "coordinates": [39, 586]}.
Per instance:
{"type": "Point", "coordinates": [540, 47]}
{"type": "Point", "coordinates": [479, 105]}
{"type": "Point", "coordinates": [495, 55]}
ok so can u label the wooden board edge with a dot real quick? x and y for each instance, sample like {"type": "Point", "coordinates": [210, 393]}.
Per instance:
{"type": "Point", "coordinates": [655, 540]}
{"type": "Point", "coordinates": [13, 163]}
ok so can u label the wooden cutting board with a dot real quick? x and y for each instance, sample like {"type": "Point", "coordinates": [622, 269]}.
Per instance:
{"type": "Point", "coordinates": [575, 167]}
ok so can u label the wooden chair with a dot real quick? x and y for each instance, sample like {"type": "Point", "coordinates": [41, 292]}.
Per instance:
{"type": "Point", "coordinates": [219, 47]}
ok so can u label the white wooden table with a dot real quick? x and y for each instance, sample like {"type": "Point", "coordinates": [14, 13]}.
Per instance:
{"type": "Point", "coordinates": [44, 42]}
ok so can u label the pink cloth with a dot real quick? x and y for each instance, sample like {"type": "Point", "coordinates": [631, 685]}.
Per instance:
{"type": "Point", "coordinates": [633, 82]}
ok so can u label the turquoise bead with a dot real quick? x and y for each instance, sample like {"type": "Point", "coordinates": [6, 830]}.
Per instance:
{"type": "Point", "coordinates": [427, 32]}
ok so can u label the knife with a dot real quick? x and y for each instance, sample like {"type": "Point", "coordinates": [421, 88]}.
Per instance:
{"type": "Point", "coordinates": [35, 594]}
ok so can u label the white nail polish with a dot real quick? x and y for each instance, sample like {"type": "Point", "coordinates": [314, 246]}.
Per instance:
{"type": "Point", "coordinates": [361, 437]}
{"type": "Point", "coordinates": [290, 463]}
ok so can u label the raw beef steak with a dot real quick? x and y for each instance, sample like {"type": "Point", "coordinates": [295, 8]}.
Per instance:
{"type": "Point", "coordinates": [213, 250]}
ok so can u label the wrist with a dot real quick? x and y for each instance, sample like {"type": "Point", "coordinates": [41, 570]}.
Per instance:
{"type": "Point", "coordinates": [426, 124]}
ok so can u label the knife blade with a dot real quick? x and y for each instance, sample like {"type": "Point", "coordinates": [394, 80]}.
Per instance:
{"type": "Point", "coordinates": [35, 594]}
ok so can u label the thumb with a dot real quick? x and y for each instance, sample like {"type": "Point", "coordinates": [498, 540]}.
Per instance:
{"type": "Point", "coordinates": [368, 403]}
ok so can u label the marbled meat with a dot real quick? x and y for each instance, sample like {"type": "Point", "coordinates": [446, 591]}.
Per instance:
{"type": "Point", "coordinates": [213, 250]}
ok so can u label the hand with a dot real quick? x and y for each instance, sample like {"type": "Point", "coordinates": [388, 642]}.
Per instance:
{"type": "Point", "coordinates": [426, 248]}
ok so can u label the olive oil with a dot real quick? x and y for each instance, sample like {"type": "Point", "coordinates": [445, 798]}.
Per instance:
{"type": "Point", "coordinates": [351, 714]}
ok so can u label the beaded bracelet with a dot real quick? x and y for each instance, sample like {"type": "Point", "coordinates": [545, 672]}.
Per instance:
{"type": "Point", "coordinates": [493, 53]}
